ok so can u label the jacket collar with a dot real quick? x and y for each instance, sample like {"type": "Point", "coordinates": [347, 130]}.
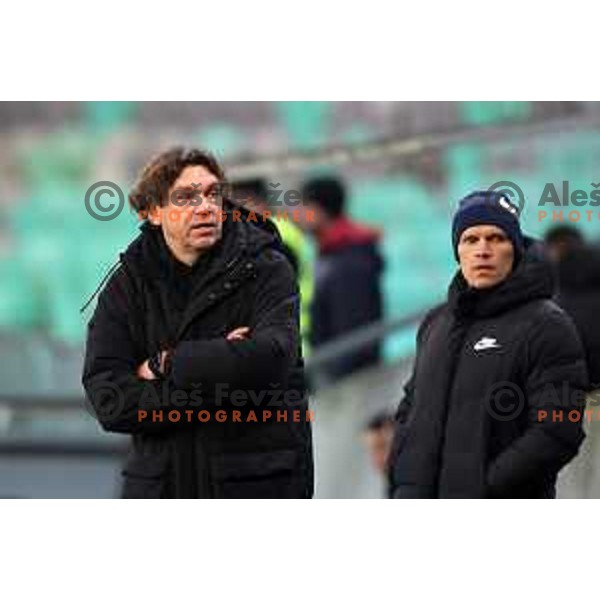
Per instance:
{"type": "Point", "coordinates": [343, 233]}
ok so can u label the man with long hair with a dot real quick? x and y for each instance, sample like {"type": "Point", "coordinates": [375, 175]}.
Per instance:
{"type": "Point", "coordinates": [194, 349]}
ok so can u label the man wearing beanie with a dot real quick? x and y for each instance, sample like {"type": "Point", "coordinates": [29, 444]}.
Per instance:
{"type": "Point", "coordinates": [494, 405]}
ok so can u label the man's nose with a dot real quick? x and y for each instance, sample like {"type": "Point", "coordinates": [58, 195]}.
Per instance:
{"type": "Point", "coordinates": [205, 206]}
{"type": "Point", "coordinates": [199, 211]}
{"type": "Point", "coordinates": [483, 250]}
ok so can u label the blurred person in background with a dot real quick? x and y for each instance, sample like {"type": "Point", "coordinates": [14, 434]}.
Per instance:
{"type": "Point", "coordinates": [578, 275]}
{"type": "Point", "coordinates": [562, 240]}
{"type": "Point", "coordinates": [252, 194]}
{"type": "Point", "coordinates": [347, 275]}
{"type": "Point", "coordinates": [198, 303]}
{"type": "Point", "coordinates": [377, 438]}
{"type": "Point", "coordinates": [488, 360]}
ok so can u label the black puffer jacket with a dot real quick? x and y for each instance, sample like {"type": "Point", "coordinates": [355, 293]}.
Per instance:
{"type": "Point", "coordinates": [579, 295]}
{"type": "Point", "coordinates": [244, 281]}
{"type": "Point", "coordinates": [487, 362]}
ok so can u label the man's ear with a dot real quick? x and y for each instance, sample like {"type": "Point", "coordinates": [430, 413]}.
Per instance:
{"type": "Point", "coordinates": [155, 215]}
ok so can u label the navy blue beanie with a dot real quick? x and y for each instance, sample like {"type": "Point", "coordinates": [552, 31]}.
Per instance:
{"type": "Point", "coordinates": [488, 208]}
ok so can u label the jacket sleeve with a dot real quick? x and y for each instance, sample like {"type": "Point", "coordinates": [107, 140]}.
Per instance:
{"type": "Point", "coordinates": [262, 360]}
{"type": "Point", "coordinates": [407, 403]}
{"type": "Point", "coordinates": [112, 357]}
{"type": "Point", "coordinates": [400, 418]}
{"type": "Point", "coordinates": [556, 382]}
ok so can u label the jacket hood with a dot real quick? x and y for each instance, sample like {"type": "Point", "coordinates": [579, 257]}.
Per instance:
{"type": "Point", "coordinates": [344, 232]}
{"type": "Point", "coordinates": [531, 279]}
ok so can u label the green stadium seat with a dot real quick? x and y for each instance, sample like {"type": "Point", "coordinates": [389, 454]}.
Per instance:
{"type": "Point", "coordinates": [106, 116]}
{"type": "Point", "coordinates": [223, 139]}
{"type": "Point", "coordinates": [304, 122]}
{"type": "Point", "coordinates": [20, 306]}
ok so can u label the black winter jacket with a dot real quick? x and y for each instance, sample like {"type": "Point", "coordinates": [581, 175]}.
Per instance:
{"type": "Point", "coordinates": [487, 363]}
{"type": "Point", "coordinates": [244, 281]}
{"type": "Point", "coordinates": [579, 295]}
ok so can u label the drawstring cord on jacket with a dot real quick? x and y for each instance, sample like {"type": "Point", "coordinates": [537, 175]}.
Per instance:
{"type": "Point", "coordinates": [100, 285]}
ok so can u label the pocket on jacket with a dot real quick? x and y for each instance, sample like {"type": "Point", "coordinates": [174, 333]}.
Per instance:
{"type": "Point", "coordinates": [145, 476]}
{"type": "Point", "coordinates": [274, 474]}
